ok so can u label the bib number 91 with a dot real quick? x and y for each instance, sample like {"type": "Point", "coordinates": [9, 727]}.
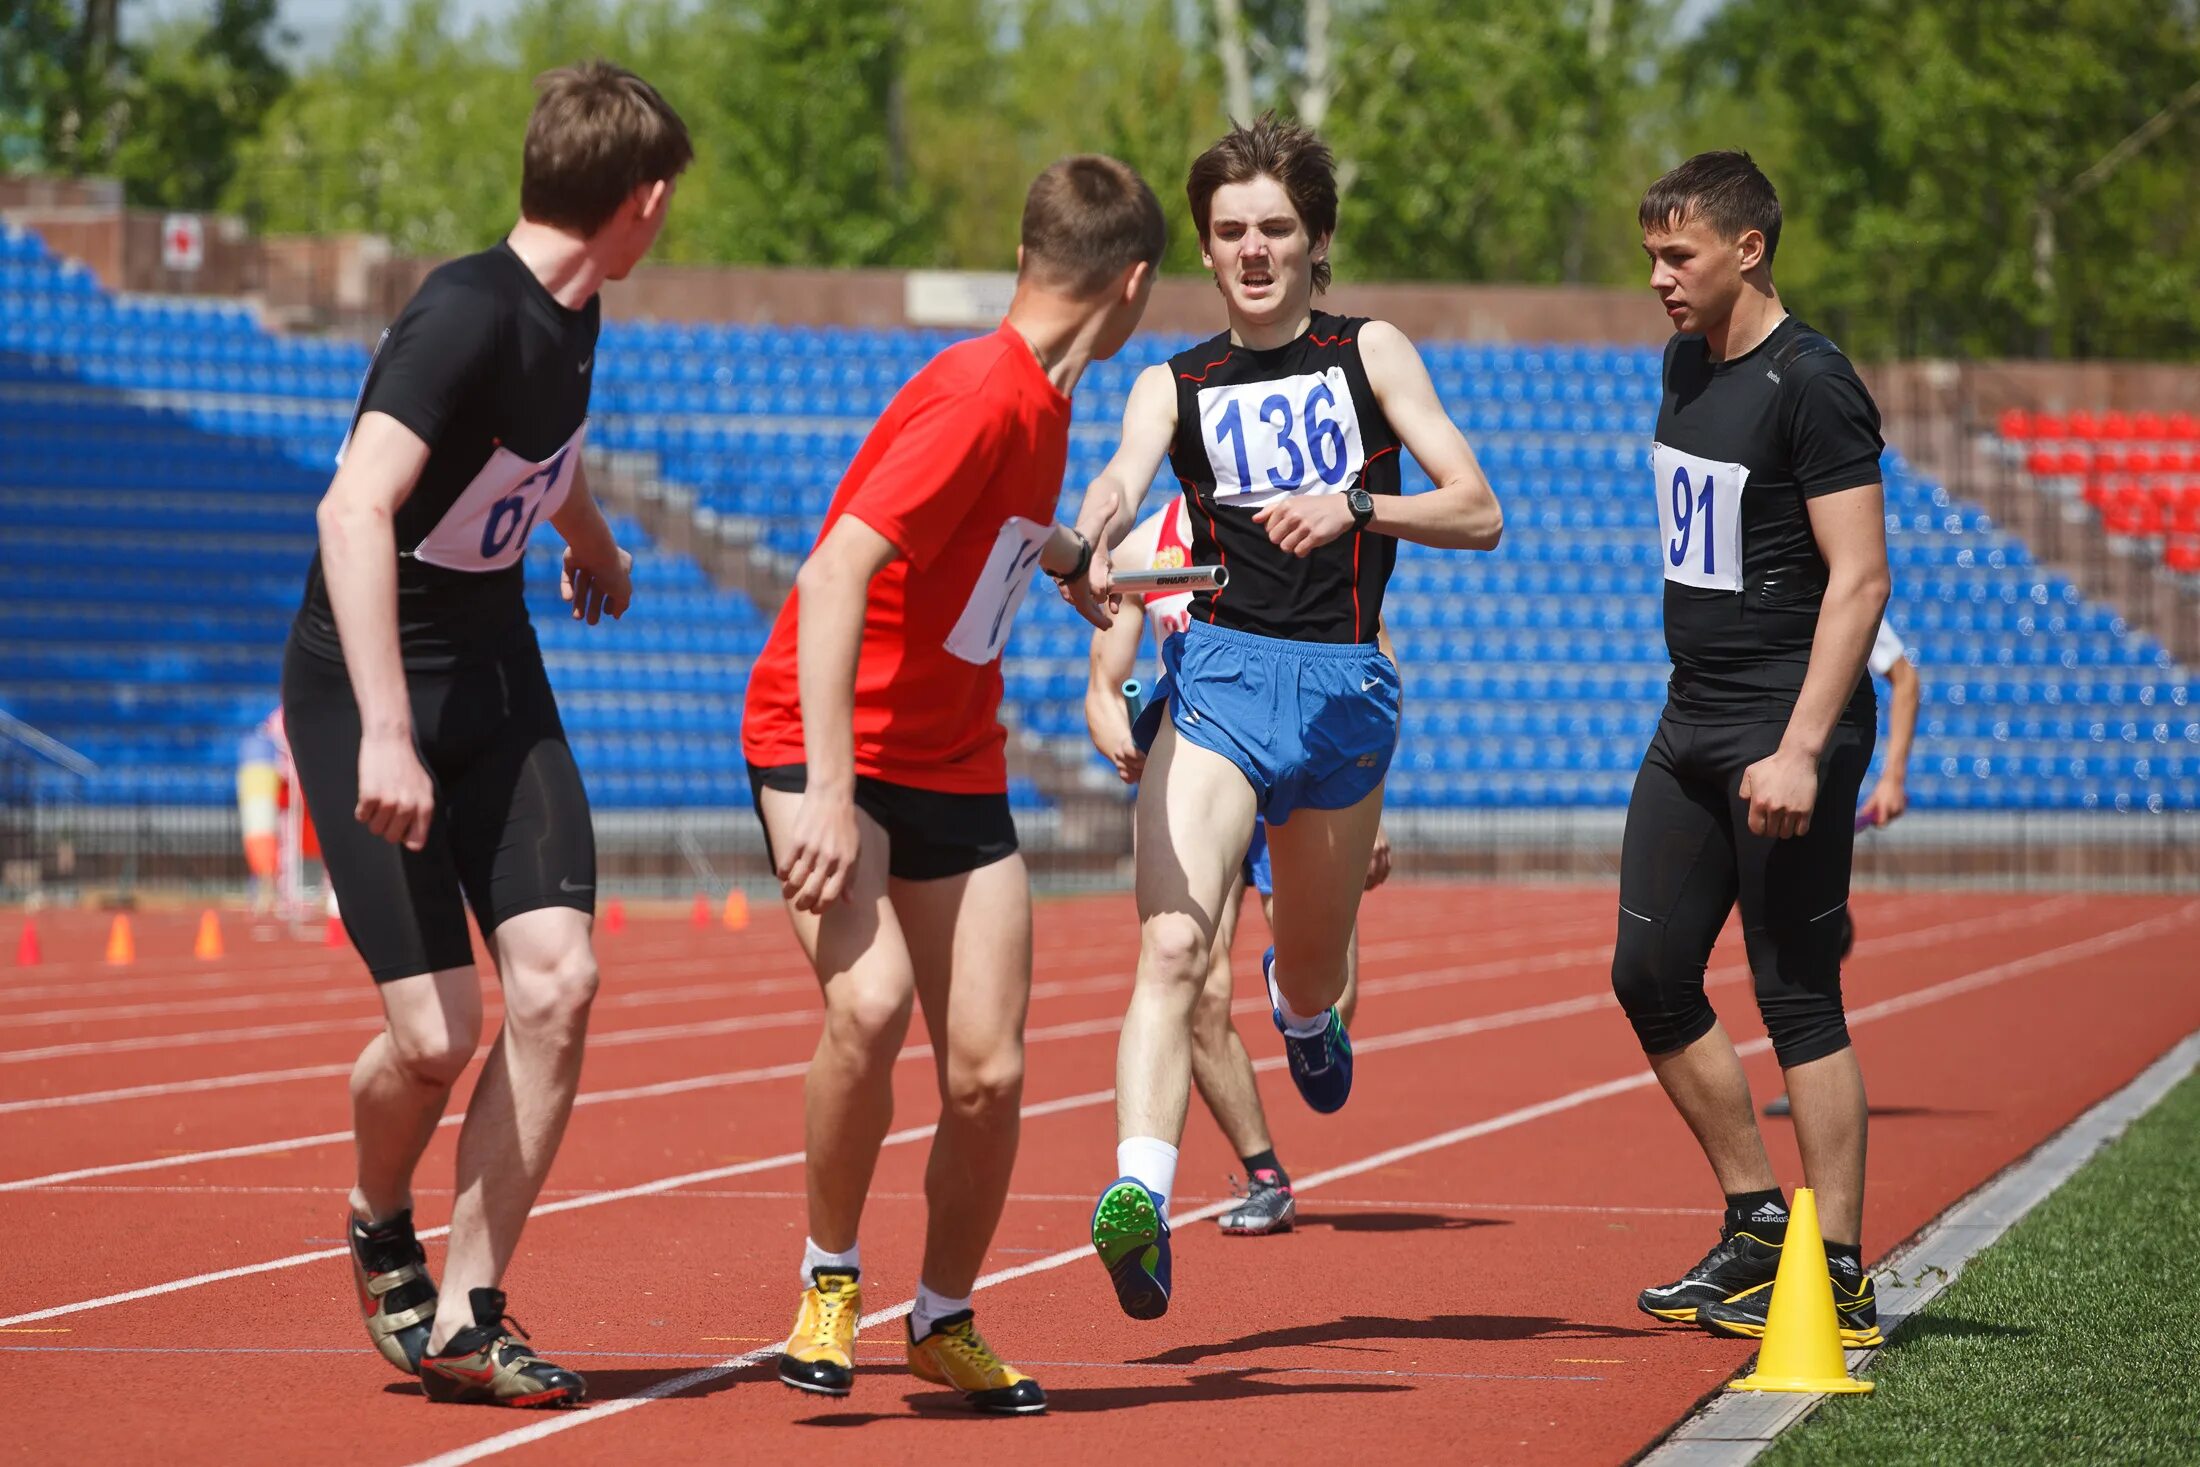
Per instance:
{"type": "Point", "coordinates": [1699, 519]}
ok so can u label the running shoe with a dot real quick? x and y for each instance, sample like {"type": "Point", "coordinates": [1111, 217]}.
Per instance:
{"type": "Point", "coordinates": [490, 1363]}
{"type": "Point", "coordinates": [1743, 1316]}
{"type": "Point", "coordinates": [396, 1297]}
{"type": "Point", "coordinates": [820, 1354]}
{"type": "Point", "coordinates": [955, 1355]}
{"type": "Point", "coordinates": [1742, 1261]}
{"type": "Point", "coordinates": [1321, 1065]}
{"type": "Point", "coordinates": [1266, 1206]}
{"type": "Point", "coordinates": [1132, 1239]}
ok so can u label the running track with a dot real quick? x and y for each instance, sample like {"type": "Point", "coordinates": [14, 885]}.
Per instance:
{"type": "Point", "coordinates": [1474, 1226]}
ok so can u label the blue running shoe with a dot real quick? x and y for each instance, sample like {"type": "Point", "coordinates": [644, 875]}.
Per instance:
{"type": "Point", "coordinates": [1321, 1066]}
{"type": "Point", "coordinates": [1132, 1239]}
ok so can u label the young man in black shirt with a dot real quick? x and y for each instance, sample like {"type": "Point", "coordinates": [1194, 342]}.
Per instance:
{"type": "Point", "coordinates": [427, 741]}
{"type": "Point", "coordinates": [1773, 546]}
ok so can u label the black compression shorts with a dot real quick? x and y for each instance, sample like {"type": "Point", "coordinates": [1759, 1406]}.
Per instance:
{"type": "Point", "coordinates": [1688, 857]}
{"type": "Point", "coordinates": [930, 834]}
{"type": "Point", "coordinates": [511, 832]}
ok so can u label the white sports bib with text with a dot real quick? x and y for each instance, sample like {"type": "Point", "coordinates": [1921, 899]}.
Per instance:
{"type": "Point", "coordinates": [1291, 435]}
{"type": "Point", "coordinates": [487, 526]}
{"type": "Point", "coordinates": [982, 629]}
{"type": "Point", "coordinates": [1699, 519]}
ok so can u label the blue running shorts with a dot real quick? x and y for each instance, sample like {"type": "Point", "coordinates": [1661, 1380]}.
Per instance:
{"type": "Point", "coordinates": [1256, 861]}
{"type": "Point", "coordinates": [1311, 724]}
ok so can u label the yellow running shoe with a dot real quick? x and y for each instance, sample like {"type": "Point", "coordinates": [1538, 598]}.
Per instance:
{"type": "Point", "coordinates": [955, 1355]}
{"type": "Point", "coordinates": [820, 1354]}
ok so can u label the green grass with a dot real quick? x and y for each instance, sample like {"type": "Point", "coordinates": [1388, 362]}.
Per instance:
{"type": "Point", "coordinates": [2073, 1339]}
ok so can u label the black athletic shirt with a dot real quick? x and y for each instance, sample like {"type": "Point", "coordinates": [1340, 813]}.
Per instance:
{"type": "Point", "coordinates": [492, 373]}
{"type": "Point", "coordinates": [1253, 427]}
{"type": "Point", "coordinates": [1741, 446]}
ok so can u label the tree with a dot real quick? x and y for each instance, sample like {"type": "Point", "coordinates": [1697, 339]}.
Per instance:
{"type": "Point", "coordinates": [196, 93]}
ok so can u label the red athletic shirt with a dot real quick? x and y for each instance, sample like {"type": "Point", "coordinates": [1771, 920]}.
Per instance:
{"type": "Point", "coordinates": [962, 474]}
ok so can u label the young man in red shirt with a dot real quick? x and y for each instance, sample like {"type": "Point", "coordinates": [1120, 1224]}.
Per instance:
{"type": "Point", "coordinates": [876, 755]}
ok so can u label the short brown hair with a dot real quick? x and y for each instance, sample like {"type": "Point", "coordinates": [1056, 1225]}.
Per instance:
{"type": "Point", "coordinates": [1290, 154]}
{"type": "Point", "coordinates": [1726, 190]}
{"type": "Point", "coordinates": [1089, 218]}
{"type": "Point", "coordinates": [598, 133]}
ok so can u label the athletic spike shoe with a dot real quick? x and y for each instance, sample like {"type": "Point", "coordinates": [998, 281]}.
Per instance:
{"type": "Point", "coordinates": [396, 1296]}
{"type": "Point", "coordinates": [487, 1363]}
{"type": "Point", "coordinates": [820, 1354]}
{"type": "Point", "coordinates": [1743, 1316]}
{"type": "Point", "coordinates": [1132, 1239]}
{"type": "Point", "coordinates": [1321, 1066]}
{"type": "Point", "coordinates": [1268, 1207]}
{"type": "Point", "coordinates": [1742, 1261]}
{"type": "Point", "coordinates": [955, 1355]}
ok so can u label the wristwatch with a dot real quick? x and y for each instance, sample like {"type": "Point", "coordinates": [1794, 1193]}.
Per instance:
{"type": "Point", "coordinates": [1084, 560]}
{"type": "Point", "coordinates": [1362, 505]}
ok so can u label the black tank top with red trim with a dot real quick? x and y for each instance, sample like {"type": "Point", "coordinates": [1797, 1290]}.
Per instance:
{"type": "Point", "coordinates": [1256, 427]}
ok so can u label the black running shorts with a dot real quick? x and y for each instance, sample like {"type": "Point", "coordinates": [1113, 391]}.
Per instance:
{"type": "Point", "coordinates": [511, 832]}
{"type": "Point", "coordinates": [929, 834]}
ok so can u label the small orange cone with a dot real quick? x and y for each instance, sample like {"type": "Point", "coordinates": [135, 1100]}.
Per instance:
{"type": "Point", "coordinates": [701, 915]}
{"type": "Point", "coordinates": [614, 917]}
{"type": "Point", "coordinates": [209, 943]}
{"type": "Point", "coordinates": [736, 915]}
{"type": "Point", "coordinates": [1802, 1348]}
{"type": "Point", "coordinates": [121, 946]}
{"type": "Point", "coordinates": [27, 954]}
{"type": "Point", "coordinates": [333, 934]}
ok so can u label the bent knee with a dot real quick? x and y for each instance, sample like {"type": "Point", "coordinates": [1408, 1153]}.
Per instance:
{"type": "Point", "coordinates": [988, 1086]}
{"type": "Point", "coordinates": [1175, 949]}
{"type": "Point", "coordinates": [436, 1056]}
{"type": "Point", "coordinates": [553, 997]}
{"type": "Point", "coordinates": [868, 1018]}
{"type": "Point", "coordinates": [1660, 991]}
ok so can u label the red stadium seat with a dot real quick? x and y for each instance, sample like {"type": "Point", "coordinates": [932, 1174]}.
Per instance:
{"type": "Point", "coordinates": [2072, 461]}
{"type": "Point", "coordinates": [2174, 461]}
{"type": "Point", "coordinates": [2050, 427]}
{"type": "Point", "coordinates": [2148, 427]}
{"type": "Point", "coordinates": [2016, 423]}
{"type": "Point", "coordinates": [2084, 425]}
{"type": "Point", "coordinates": [2183, 427]}
{"type": "Point", "coordinates": [2183, 556]}
{"type": "Point", "coordinates": [2116, 426]}
{"type": "Point", "coordinates": [2140, 461]}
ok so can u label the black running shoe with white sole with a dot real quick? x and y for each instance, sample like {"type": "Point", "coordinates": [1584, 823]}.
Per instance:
{"type": "Point", "coordinates": [389, 1270]}
{"type": "Point", "coordinates": [1266, 1206]}
{"type": "Point", "coordinates": [1743, 1316]}
{"type": "Point", "coordinates": [1742, 1261]}
{"type": "Point", "coordinates": [489, 1363]}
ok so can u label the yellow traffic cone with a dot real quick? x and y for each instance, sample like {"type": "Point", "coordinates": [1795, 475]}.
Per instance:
{"type": "Point", "coordinates": [121, 946]}
{"type": "Point", "coordinates": [209, 943]}
{"type": "Point", "coordinates": [1802, 1348]}
{"type": "Point", "coordinates": [737, 910]}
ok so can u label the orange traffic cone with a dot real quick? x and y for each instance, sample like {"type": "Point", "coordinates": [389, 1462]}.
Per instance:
{"type": "Point", "coordinates": [333, 934]}
{"type": "Point", "coordinates": [27, 954]}
{"type": "Point", "coordinates": [121, 946]}
{"type": "Point", "coordinates": [1802, 1348]}
{"type": "Point", "coordinates": [209, 943]}
{"type": "Point", "coordinates": [736, 915]}
{"type": "Point", "coordinates": [701, 915]}
{"type": "Point", "coordinates": [614, 917]}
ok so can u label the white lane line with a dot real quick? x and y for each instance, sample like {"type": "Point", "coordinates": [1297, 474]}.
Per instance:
{"type": "Point", "coordinates": [1432, 1033]}
{"type": "Point", "coordinates": [603, 1411]}
{"type": "Point", "coordinates": [1720, 975]}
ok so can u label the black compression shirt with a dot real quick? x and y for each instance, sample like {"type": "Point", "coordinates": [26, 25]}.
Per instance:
{"type": "Point", "coordinates": [1254, 427]}
{"type": "Point", "coordinates": [1742, 445]}
{"type": "Point", "coordinates": [492, 373]}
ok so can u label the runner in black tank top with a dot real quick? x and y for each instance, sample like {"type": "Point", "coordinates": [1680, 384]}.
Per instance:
{"type": "Point", "coordinates": [426, 738]}
{"type": "Point", "coordinates": [1253, 427]}
{"type": "Point", "coordinates": [1773, 547]}
{"type": "Point", "coordinates": [1277, 703]}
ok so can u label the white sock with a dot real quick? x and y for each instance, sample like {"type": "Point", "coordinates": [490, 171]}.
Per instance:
{"type": "Point", "coordinates": [815, 1258]}
{"type": "Point", "coordinates": [1152, 1162]}
{"type": "Point", "coordinates": [1295, 1024]}
{"type": "Point", "coordinates": [931, 1309]}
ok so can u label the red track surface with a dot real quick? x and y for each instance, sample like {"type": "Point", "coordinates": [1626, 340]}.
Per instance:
{"type": "Point", "coordinates": [1463, 1289]}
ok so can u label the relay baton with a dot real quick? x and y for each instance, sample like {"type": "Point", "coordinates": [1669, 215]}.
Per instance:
{"type": "Point", "coordinates": [1190, 578]}
{"type": "Point", "coordinates": [1134, 697]}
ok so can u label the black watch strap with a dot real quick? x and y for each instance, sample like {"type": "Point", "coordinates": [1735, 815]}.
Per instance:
{"type": "Point", "coordinates": [1362, 505]}
{"type": "Point", "coordinates": [1084, 560]}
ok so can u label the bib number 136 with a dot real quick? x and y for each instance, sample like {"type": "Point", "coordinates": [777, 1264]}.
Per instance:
{"type": "Point", "coordinates": [1699, 519]}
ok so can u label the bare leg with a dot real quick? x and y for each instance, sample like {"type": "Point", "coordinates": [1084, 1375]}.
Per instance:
{"type": "Point", "coordinates": [863, 966]}
{"type": "Point", "coordinates": [1827, 1099]}
{"type": "Point", "coordinates": [1348, 1003]}
{"type": "Point", "coordinates": [970, 947]}
{"type": "Point", "coordinates": [1195, 819]}
{"type": "Point", "coordinates": [518, 1112]}
{"type": "Point", "coordinates": [402, 1083]}
{"type": "Point", "coordinates": [1221, 1068]}
{"type": "Point", "coordinates": [1707, 1086]}
{"type": "Point", "coordinates": [1319, 861]}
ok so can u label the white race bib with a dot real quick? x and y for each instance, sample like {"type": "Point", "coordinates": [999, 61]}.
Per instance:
{"type": "Point", "coordinates": [1293, 435]}
{"type": "Point", "coordinates": [982, 629]}
{"type": "Point", "coordinates": [486, 527]}
{"type": "Point", "coordinates": [1699, 518]}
